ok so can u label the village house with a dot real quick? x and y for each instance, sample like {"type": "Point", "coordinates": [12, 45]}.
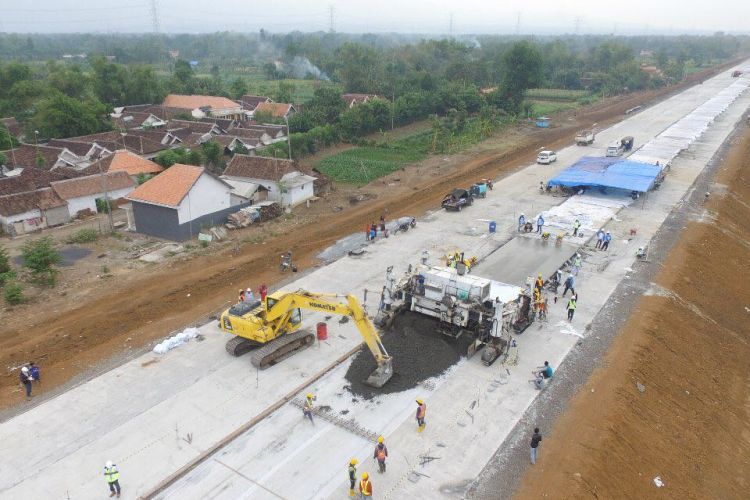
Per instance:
{"type": "Point", "coordinates": [178, 203]}
{"type": "Point", "coordinates": [124, 161]}
{"type": "Point", "coordinates": [125, 119]}
{"type": "Point", "coordinates": [27, 202]}
{"type": "Point", "coordinates": [250, 102]}
{"type": "Point", "coordinates": [40, 156]}
{"type": "Point", "coordinates": [203, 106]}
{"type": "Point", "coordinates": [283, 179]}
{"type": "Point", "coordinates": [277, 110]}
{"type": "Point", "coordinates": [352, 100]}
{"type": "Point", "coordinates": [82, 193]}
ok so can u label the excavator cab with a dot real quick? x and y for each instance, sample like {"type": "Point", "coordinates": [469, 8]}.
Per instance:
{"type": "Point", "coordinates": [272, 330]}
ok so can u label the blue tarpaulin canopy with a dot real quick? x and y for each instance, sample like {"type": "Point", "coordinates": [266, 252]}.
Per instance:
{"type": "Point", "coordinates": [608, 172]}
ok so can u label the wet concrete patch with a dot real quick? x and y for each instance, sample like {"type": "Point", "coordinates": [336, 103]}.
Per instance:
{"type": "Point", "coordinates": [419, 352]}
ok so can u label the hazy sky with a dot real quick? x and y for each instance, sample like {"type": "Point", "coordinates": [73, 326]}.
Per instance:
{"type": "Point", "coordinates": [405, 16]}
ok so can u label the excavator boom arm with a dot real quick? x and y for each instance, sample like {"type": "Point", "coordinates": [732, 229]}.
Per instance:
{"type": "Point", "coordinates": [329, 303]}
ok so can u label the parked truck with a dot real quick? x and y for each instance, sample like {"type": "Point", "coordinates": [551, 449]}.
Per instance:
{"type": "Point", "coordinates": [585, 137]}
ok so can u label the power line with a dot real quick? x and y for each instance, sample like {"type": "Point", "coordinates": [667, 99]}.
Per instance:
{"type": "Point", "coordinates": [155, 16]}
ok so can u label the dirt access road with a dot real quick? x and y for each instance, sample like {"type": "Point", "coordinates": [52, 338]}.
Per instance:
{"type": "Point", "coordinates": [687, 343]}
{"type": "Point", "coordinates": [71, 341]}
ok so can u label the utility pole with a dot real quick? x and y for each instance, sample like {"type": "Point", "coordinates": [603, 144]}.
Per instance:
{"type": "Point", "coordinates": [155, 16]}
{"type": "Point", "coordinates": [288, 137]}
{"type": "Point", "coordinates": [331, 11]}
{"type": "Point", "coordinates": [107, 205]}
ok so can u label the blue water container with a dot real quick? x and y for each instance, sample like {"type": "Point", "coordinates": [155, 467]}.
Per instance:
{"type": "Point", "coordinates": [493, 226]}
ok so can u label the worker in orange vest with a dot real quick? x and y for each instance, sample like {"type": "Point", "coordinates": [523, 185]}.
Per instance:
{"type": "Point", "coordinates": [365, 486]}
{"type": "Point", "coordinates": [421, 412]}
{"type": "Point", "coordinates": [381, 452]}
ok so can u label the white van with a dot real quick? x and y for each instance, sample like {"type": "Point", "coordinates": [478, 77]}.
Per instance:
{"type": "Point", "coordinates": [615, 148]}
{"type": "Point", "coordinates": [546, 157]}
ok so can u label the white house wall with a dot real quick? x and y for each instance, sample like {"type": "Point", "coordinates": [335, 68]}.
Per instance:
{"type": "Point", "coordinates": [273, 187]}
{"type": "Point", "coordinates": [207, 196]}
{"type": "Point", "coordinates": [75, 205]}
{"type": "Point", "coordinates": [297, 194]}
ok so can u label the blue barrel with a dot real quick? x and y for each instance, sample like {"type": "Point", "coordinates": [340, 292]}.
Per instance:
{"type": "Point", "coordinates": [493, 226]}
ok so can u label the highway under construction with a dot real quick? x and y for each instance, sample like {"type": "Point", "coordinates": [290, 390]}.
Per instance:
{"type": "Point", "coordinates": [196, 422]}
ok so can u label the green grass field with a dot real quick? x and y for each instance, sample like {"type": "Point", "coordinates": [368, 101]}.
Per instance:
{"type": "Point", "coordinates": [362, 165]}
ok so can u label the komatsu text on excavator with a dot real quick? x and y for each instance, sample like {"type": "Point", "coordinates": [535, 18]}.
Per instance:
{"type": "Point", "coordinates": [270, 328]}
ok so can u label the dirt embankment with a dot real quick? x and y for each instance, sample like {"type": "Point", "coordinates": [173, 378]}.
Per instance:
{"type": "Point", "coordinates": [72, 338]}
{"type": "Point", "coordinates": [689, 345]}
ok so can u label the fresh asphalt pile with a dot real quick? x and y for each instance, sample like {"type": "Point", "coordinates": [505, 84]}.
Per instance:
{"type": "Point", "coordinates": [419, 352]}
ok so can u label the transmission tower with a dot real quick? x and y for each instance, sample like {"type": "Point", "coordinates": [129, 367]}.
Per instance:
{"type": "Point", "coordinates": [518, 23]}
{"type": "Point", "coordinates": [331, 12]}
{"type": "Point", "coordinates": [450, 26]}
{"type": "Point", "coordinates": [155, 15]}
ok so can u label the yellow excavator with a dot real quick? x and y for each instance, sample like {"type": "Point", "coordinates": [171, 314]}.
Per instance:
{"type": "Point", "coordinates": [271, 328]}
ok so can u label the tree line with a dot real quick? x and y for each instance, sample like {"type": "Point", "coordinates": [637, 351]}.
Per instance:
{"type": "Point", "coordinates": [416, 78]}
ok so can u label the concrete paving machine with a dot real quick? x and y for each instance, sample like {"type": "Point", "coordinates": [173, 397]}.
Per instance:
{"type": "Point", "coordinates": [271, 328]}
{"type": "Point", "coordinates": [477, 312]}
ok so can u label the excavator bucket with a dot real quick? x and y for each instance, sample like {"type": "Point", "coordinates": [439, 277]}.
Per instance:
{"type": "Point", "coordinates": [381, 375]}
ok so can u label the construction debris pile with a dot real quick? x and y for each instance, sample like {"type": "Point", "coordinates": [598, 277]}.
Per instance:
{"type": "Point", "coordinates": [255, 213]}
{"type": "Point", "coordinates": [419, 352]}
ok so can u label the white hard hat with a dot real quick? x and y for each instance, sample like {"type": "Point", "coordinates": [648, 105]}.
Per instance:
{"type": "Point", "coordinates": [25, 369]}
{"type": "Point", "coordinates": [109, 464]}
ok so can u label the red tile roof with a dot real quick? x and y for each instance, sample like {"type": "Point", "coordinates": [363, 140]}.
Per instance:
{"type": "Point", "coordinates": [125, 161]}
{"type": "Point", "coordinates": [275, 109]}
{"type": "Point", "coordinates": [19, 203]}
{"type": "Point", "coordinates": [25, 155]}
{"type": "Point", "coordinates": [199, 101]}
{"type": "Point", "coordinates": [168, 188]}
{"type": "Point", "coordinates": [92, 184]}
{"type": "Point", "coordinates": [259, 167]}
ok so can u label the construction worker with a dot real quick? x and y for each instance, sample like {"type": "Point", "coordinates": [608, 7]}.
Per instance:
{"type": "Point", "coordinates": [570, 282]}
{"type": "Point", "coordinates": [381, 452]}
{"type": "Point", "coordinates": [521, 222]}
{"type": "Point", "coordinates": [599, 238]}
{"type": "Point", "coordinates": [607, 239]}
{"type": "Point", "coordinates": [572, 304]}
{"type": "Point", "coordinates": [352, 475]}
{"type": "Point", "coordinates": [421, 412]}
{"type": "Point", "coordinates": [113, 478]}
{"type": "Point", "coordinates": [539, 224]}
{"type": "Point", "coordinates": [242, 295]}
{"type": "Point", "coordinates": [307, 410]}
{"type": "Point", "coordinates": [577, 263]}
{"type": "Point", "coordinates": [25, 378]}
{"type": "Point", "coordinates": [365, 486]}
{"type": "Point", "coordinates": [539, 283]}
{"type": "Point", "coordinates": [576, 227]}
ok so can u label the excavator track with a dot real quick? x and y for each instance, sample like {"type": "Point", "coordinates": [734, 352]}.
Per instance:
{"type": "Point", "coordinates": [281, 348]}
{"type": "Point", "coordinates": [237, 346]}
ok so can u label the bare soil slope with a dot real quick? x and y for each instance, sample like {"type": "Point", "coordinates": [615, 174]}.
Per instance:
{"type": "Point", "coordinates": [689, 344]}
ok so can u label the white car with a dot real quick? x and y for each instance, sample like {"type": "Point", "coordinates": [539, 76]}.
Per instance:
{"type": "Point", "coordinates": [546, 157]}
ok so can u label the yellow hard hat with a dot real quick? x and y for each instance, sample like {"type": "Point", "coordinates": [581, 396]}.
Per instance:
{"type": "Point", "coordinates": [353, 461]}
{"type": "Point", "coordinates": [365, 475]}
{"type": "Point", "coordinates": [540, 275]}
{"type": "Point", "coordinates": [381, 439]}
{"type": "Point", "coordinates": [309, 395]}
{"type": "Point", "coordinates": [419, 401]}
